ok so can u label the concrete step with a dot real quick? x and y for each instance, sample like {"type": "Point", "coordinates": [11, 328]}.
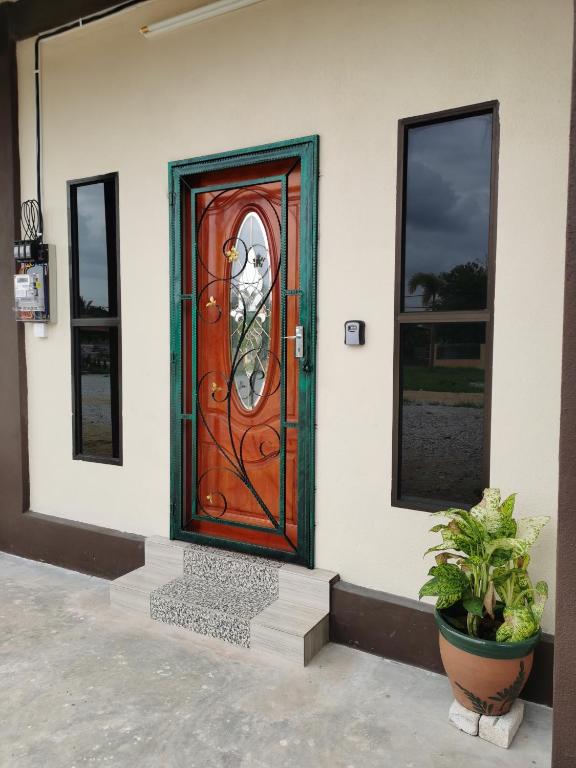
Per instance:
{"type": "Point", "coordinates": [132, 591]}
{"type": "Point", "coordinates": [209, 608]}
{"type": "Point", "coordinates": [305, 586]}
{"type": "Point", "coordinates": [293, 632]}
{"type": "Point", "coordinates": [164, 554]}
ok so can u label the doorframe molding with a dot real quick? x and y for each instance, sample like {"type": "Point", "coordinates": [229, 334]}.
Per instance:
{"type": "Point", "coordinates": [306, 149]}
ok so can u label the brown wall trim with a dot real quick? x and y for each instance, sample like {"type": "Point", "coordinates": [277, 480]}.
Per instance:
{"type": "Point", "coordinates": [404, 630]}
{"type": "Point", "coordinates": [564, 731]}
{"type": "Point", "coordinates": [63, 542]}
{"type": "Point", "coordinates": [78, 546]}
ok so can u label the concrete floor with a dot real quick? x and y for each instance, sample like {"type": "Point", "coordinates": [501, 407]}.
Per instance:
{"type": "Point", "coordinates": [82, 684]}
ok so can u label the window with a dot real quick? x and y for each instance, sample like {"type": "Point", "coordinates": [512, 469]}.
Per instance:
{"type": "Point", "coordinates": [251, 294]}
{"type": "Point", "coordinates": [444, 307]}
{"type": "Point", "coordinates": [95, 319]}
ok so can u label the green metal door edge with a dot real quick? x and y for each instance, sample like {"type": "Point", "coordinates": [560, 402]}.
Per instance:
{"type": "Point", "coordinates": [306, 149]}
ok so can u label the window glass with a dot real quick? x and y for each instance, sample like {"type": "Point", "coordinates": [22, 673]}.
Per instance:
{"type": "Point", "coordinates": [93, 277]}
{"type": "Point", "coordinates": [447, 206]}
{"type": "Point", "coordinates": [250, 310]}
{"type": "Point", "coordinates": [96, 352]}
{"type": "Point", "coordinates": [442, 376]}
{"type": "Point", "coordinates": [95, 320]}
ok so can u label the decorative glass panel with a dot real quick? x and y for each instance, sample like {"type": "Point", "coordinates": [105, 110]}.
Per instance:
{"type": "Point", "coordinates": [250, 308]}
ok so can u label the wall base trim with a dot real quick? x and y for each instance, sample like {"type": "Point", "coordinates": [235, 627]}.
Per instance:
{"type": "Point", "coordinates": [404, 630]}
{"type": "Point", "coordinates": [81, 547]}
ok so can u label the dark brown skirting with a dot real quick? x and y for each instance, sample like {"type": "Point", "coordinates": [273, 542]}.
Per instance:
{"type": "Point", "coordinates": [85, 548]}
{"type": "Point", "coordinates": [564, 739]}
{"type": "Point", "coordinates": [404, 630]}
{"type": "Point", "coordinates": [80, 547]}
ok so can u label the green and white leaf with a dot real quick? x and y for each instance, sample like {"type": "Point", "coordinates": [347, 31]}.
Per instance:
{"type": "Point", "coordinates": [500, 558]}
{"type": "Point", "coordinates": [451, 540]}
{"type": "Point", "coordinates": [539, 600]}
{"type": "Point", "coordinates": [507, 506]}
{"type": "Point", "coordinates": [519, 624]}
{"type": "Point", "coordinates": [437, 548]}
{"type": "Point", "coordinates": [451, 513]}
{"type": "Point", "coordinates": [490, 599]}
{"type": "Point", "coordinates": [529, 528]}
{"type": "Point", "coordinates": [511, 547]}
{"type": "Point", "coordinates": [523, 582]}
{"type": "Point", "coordinates": [474, 605]}
{"type": "Point", "coordinates": [508, 528]}
{"type": "Point", "coordinates": [447, 580]}
{"type": "Point", "coordinates": [445, 601]}
{"type": "Point", "coordinates": [487, 512]}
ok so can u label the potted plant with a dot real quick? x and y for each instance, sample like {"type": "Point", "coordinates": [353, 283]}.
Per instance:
{"type": "Point", "coordinates": [488, 612]}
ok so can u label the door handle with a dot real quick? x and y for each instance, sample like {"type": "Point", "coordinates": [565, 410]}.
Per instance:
{"type": "Point", "coordinates": [299, 341]}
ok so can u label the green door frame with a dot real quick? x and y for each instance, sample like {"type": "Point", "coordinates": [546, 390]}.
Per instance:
{"type": "Point", "coordinates": [306, 150]}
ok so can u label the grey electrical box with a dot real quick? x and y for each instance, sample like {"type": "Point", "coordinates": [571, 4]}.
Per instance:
{"type": "Point", "coordinates": [34, 282]}
{"type": "Point", "coordinates": [354, 332]}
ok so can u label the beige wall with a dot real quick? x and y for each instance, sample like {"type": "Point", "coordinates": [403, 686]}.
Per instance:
{"type": "Point", "coordinates": [348, 71]}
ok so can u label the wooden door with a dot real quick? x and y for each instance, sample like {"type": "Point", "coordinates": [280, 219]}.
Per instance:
{"type": "Point", "coordinates": [246, 386]}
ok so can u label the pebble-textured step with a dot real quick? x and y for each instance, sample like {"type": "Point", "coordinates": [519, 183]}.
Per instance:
{"type": "Point", "coordinates": [233, 570]}
{"type": "Point", "coordinates": [211, 608]}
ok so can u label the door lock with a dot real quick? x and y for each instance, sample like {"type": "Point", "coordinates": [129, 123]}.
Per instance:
{"type": "Point", "coordinates": [299, 341]}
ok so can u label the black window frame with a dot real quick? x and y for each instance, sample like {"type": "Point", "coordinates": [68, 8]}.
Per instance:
{"type": "Point", "coordinates": [110, 322]}
{"type": "Point", "coordinates": [454, 316]}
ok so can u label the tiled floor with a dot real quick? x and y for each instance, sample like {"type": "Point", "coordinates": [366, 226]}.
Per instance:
{"type": "Point", "coordinates": [83, 684]}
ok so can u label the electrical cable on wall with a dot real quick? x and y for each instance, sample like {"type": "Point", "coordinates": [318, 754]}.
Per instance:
{"type": "Point", "coordinates": [31, 220]}
{"type": "Point", "coordinates": [59, 31]}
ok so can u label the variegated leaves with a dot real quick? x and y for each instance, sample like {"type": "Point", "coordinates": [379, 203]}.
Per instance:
{"type": "Point", "coordinates": [491, 553]}
{"type": "Point", "coordinates": [448, 583]}
{"type": "Point", "coordinates": [522, 620]}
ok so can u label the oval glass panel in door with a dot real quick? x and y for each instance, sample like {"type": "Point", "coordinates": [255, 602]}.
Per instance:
{"type": "Point", "coordinates": [250, 309]}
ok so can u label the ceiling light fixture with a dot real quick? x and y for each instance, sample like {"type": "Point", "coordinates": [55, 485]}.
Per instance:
{"type": "Point", "coordinates": [193, 17]}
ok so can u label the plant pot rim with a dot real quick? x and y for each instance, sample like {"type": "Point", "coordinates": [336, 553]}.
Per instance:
{"type": "Point", "coordinates": [489, 649]}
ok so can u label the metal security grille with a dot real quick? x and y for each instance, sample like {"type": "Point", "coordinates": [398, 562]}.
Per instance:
{"type": "Point", "coordinates": [242, 401]}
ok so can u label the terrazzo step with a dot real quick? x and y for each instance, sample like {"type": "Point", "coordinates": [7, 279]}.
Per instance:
{"type": "Point", "coordinates": [294, 632]}
{"type": "Point", "coordinates": [217, 566]}
{"type": "Point", "coordinates": [233, 570]}
{"type": "Point", "coordinates": [209, 608]}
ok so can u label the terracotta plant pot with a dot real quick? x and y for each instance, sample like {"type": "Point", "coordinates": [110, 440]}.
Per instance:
{"type": "Point", "coordinates": [486, 677]}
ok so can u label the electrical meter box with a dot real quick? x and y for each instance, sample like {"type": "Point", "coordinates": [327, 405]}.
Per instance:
{"type": "Point", "coordinates": [34, 282]}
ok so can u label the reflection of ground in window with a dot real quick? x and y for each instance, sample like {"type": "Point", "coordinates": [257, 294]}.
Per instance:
{"type": "Point", "coordinates": [442, 450]}
{"type": "Point", "coordinates": [96, 414]}
{"type": "Point", "coordinates": [443, 379]}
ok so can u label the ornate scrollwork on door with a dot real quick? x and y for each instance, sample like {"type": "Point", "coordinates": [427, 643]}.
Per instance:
{"type": "Point", "coordinates": [239, 289]}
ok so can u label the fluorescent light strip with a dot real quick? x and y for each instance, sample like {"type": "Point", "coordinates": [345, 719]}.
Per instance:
{"type": "Point", "coordinates": [193, 17]}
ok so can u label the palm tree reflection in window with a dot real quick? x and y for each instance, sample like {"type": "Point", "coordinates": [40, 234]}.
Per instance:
{"type": "Point", "coordinates": [250, 311]}
{"type": "Point", "coordinates": [464, 287]}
